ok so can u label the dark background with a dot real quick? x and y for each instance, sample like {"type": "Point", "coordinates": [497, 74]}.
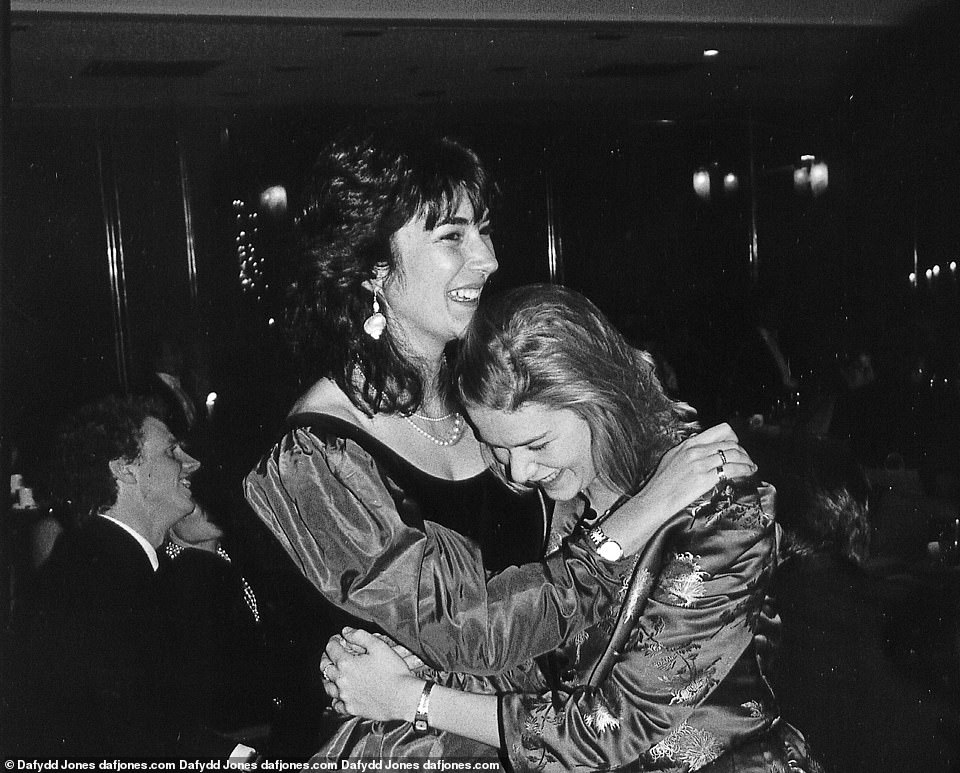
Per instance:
{"type": "Point", "coordinates": [614, 182]}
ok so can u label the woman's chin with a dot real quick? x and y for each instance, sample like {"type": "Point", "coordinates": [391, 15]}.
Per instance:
{"type": "Point", "coordinates": [561, 489]}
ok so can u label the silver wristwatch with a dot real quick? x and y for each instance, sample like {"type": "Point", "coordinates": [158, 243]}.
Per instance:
{"type": "Point", "coordinates": [607, 549]}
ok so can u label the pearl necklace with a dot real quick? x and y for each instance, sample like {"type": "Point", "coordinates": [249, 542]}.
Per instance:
{"type": "Point", "coordinates": [459, 425]}
{"type": "Point", "coordinates": [431, 418]}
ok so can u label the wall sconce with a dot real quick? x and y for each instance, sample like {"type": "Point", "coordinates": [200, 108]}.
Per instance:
{"type": "Point", "coordinates": [274, 200]}
{"type": "Point", "coordinates": [811, 177]}
{"type": "Point", "coordinates": [701, 183]}
{"type": "Point", "coordinates": [710, 182]}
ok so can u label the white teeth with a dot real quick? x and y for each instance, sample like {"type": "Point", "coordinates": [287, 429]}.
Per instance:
{"type": "Point", "coordinates": [186, 482]}
{"type": "Point", "coordinates": [465, 294]}
{"type": "Point", "coordinates": [549, 478]}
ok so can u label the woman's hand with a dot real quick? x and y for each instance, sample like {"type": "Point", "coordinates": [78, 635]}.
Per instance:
{"type": "Point", "coordinates": [413, 661]}
{"type": "Point", "coordinates": [369, 676]}
{"type": "Point", "coordinates": [685, 473]}
{"type": "Point", "coordinates": [689, 470]}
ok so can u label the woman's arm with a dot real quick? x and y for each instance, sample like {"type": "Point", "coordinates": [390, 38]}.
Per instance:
{"type": "Point", "coordinates": [375, 682]}
{"type": "Point", "coordinates": [695, 628]}
{"type": "Point", "coordinates": [685, 473]}
{"type": "Point", "coordinates": [327, 505]}
{"type": "Point", "coordinates": [667, 694]}
{"type": "Point", "coordinates": [501, 622]}
{"type": "Point", "coordinates": [325, 501]}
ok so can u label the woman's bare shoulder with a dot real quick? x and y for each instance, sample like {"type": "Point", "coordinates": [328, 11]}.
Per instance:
{"type": "Point", "coordinates": [325, 397]}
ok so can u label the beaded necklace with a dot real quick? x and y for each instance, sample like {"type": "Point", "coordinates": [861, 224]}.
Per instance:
{"type": "Point", "coordinates": [459, 425]}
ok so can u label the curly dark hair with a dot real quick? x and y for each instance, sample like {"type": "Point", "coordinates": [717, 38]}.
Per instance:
{"type": "Point", "coordinates": [361, 191]}
{"type": "Point", "coordinates": [111, 428]}
{"type": "Point", "coordinates": [551, 346]}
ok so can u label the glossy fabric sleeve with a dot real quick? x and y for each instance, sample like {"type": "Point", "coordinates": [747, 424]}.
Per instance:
{"type": "Point", "coordinates": [705, 573]}
{"type": "Point", "coordinates": [488, 626]}
{"type": "Point", "coordinates": [329, 507]}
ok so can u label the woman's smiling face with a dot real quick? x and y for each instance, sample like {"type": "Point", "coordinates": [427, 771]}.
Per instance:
{"type": "Point", "coordinates": [440, 274]}
{"type": "Point", "coordinates": [539, 446]}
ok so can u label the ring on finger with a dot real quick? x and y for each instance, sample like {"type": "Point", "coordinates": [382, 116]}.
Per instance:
{"type": "Point", "coordinates": [723, 457]}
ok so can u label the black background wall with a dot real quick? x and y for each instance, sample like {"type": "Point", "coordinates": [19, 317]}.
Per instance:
{"type": "Point", "coordinates": [666, 266]}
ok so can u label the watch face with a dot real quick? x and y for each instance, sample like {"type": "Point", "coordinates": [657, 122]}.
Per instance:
{"type": "Point", "coordinates": [610, 551]}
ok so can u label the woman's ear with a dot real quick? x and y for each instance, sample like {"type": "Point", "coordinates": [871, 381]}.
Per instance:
{"type": "Point", "coordinates": [375, 285]}
{"type": "Point", "coordinates": [122, 470]}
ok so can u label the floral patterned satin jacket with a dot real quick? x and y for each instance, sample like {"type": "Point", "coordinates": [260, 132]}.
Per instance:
{"type": "Point", "coordinates": [680, 684]}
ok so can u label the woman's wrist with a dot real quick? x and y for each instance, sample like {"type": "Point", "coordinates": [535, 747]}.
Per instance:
{"type": "Point", "coordinates": [634, 523]}
{"type": "Point", "coordinates": [408, 692]}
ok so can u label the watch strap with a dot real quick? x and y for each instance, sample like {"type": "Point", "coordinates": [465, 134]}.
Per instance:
{"type": "Point", "coordinates": [608, 549]}
{"type": "Point", "coordinates": [421, 720]}
{"type": "Point", "coordinates": [597, 536]}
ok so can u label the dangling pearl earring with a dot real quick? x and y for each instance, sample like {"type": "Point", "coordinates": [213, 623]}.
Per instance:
{"type": "Point", "coordinates": [375, 324]}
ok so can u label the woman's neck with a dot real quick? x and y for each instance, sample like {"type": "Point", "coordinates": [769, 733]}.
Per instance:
{"type": "Point", "coordinates": [434, 401]}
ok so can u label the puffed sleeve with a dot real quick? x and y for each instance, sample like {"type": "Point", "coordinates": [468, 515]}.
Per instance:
{"type": "Point", "coordinates": [703, 578]}
{"type": "Point", "coordinates": [328, 505]}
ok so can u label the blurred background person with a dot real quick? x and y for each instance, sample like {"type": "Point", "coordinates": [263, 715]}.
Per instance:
{"type": "Point", "coordinates": [91, 673]}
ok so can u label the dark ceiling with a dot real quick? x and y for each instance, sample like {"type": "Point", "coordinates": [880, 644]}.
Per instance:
{"type": "Point", "coordinates": [773, 60]}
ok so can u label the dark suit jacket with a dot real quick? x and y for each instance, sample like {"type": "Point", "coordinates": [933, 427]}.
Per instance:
{"type": "Point", "coordinates": [220, 647]}
{"type": "Point", "coordinates": [91, 672]}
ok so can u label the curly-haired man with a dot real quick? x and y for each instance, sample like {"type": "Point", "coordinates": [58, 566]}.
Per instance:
{"type": "Point", "coordinates": [93, 676]}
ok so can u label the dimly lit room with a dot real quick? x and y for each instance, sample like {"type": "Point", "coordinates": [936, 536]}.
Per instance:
{"type": "Point", "coordinates": [756, 195]}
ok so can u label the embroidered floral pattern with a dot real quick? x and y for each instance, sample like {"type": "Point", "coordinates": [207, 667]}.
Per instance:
{"type": "Point", "coordinates": [641, 588]}
{"type": "Point", "coordinates": [690, 693]}
{"type": "Point", "coordinates": [682, 580]}
{"type": "Point", "coordinates": [579, 640]}
{"type": "Point", "coordinates": [689, 746]}
{"type": "Point", "coordinates": [601, 720]}
{"type": "Point", "coordinates": [746, 515]}
{"type": "Point", "coordinates": [670, 659]}
{"type": "Point", "coordinates": [628, 592]}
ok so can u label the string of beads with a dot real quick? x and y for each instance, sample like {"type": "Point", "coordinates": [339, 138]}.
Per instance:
{"type": "Point", "coordinates": [459, 425]}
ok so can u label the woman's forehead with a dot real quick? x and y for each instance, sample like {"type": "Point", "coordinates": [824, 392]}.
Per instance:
{"type": "Point", "coordinates": [529, 423]}
{"type": "Point", "coordinates": [457, 205]}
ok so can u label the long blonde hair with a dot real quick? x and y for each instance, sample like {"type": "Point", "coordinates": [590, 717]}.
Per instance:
{"type": "Point", "coordinates": [550, 346]}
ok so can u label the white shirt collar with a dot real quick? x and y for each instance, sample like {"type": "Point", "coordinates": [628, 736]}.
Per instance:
{"type": "Point", "coordinates": [149, 549]}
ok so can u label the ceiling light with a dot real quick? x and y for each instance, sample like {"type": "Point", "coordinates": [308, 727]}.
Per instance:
{"type": "Point", "coordinates": [701, 183]}
{"type": "Point", "coordinates": [819, 177]}
{"type": "Point", "coordinates": [709, 53]}
{"type": "Point", "coordinates": [274, 200]}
